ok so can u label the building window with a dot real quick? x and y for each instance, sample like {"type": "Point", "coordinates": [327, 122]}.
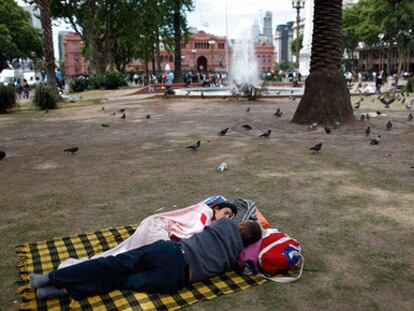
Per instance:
{"type": "Point", "coordinates": [263, 59]}
{"type": "Point", "coordinates": [269, 59]}
{"type": "Point", "coordinates": [183, 45]}
{"type": "Point", "coordinates": [201, 45]}
{"type": "Point", "coordinates": [74, 46]}
{"type": "Point", "coordinates": [258, 59]}
{"type": "Point", "coordinates": [221, 45]}
{"type": "Point", "coordinates": [171, 59]}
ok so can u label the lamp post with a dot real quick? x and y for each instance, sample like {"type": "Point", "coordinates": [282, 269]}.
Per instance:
{"type": "Point", "coordinates": [211, 43]}
{"type": "Point", "coordinates": [298, 5]}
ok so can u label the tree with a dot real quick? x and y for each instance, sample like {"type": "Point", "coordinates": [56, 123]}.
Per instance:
{"type": "Point", "coordinates": [18, 38]}
{"type": "Point", "coordinates": [45, 19]}
{"type": "Point", "coordinates": [350, 37]}
{"type": "Point", "coordinates": [293, 44]}
{"type": "Point", "coordinates": [326, 99]}
{"type": "Point", "coordinates": [179, 7]}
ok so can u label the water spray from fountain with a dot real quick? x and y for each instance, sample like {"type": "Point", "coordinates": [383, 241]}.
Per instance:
{"type": "Point", "coordinates": [244, 72]}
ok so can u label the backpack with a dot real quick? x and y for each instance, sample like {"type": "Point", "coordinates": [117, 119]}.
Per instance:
{"type": "Point", "coordinates": [279, 253]}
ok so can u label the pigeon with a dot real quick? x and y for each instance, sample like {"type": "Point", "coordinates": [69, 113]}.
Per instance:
{"type": "Point", "coordinates": [316, 148]}
{"type": "Point", "coordinates": [248, 109]}
{"type": "Point", "coordinates": [103, 108]}
{"type": "Point", "coordinates": [113, 113]}
{"type": "Point", "coordinates": [278, 92]}
{"type": "Point", "coordinates": [410, 117]}
{"type": "Point", "coordinates": [194, 146]}
{"type": "Point", "coordinates": [2, 155]}
{"type": "Point", "coordinates": [386, 102]}
{"type": "Point", "coordinates": [278, 113]}
{"type": "Point", "coordinates": [105, 125]}
{"type": "Point", "coordinates": [389, 125]}
{"type": "Point", "coordinates": [358, 103]}
{"type": "Point", "coordinates": [376, 140]}
{"type": "Point", "coordinates": [362, 117]}
{"type": "Point", "coordinates": [403, 101]}
{"type": "Point", "coordinates": [368, 116]}
{"type": "Point", "coordinates": [378, 113]}
{"type": "Point", "coordinates": [123, 116]}
{"type": "Point", "coordinates": [327, 130]}
{"type": "Point", "coordinates": [266, 134]}
{"type": "Point", "coordinates": [247, 127]}
{"type": "Point", "coordinates": [122, 110]}
{"type": "Point", "coordinates": [408, 106]}
{"type": "Point", "coordinates": [72, 150]}
{"type": "Point", "coordinates": [368, 131]}
{"type": "Point", "coordinates": [46, 110]}
{"type": "Point", "coordinates": [148, 116]}
{"type": "Point", "coordinates": [337, 124]}
{"type": "Point", "coordinates": [223, 132]}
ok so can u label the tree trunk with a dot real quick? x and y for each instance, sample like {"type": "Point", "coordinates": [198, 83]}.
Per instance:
{"type": "Point", "coordinates": [399, 68]}
{"type": "Point", "coordinates": [178, 73]}
{"type": "Point", "coordinates": [44, 7]}
{"type": "Point", "coordinates": [326, 99]}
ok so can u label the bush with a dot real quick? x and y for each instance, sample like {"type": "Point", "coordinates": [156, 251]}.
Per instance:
{"type": "Point", "coordinates": [78, 84]}
{"type": "Point", "coordinates": [45, 98]}
{"type": "Point", "coordinates": [7, 97]}
{"type": "Point", "coordinates": [410, 85]}
{"type": "Point", "coordinates": [113, 80]}
{"type": "Point", "coordinates": [97, 82]}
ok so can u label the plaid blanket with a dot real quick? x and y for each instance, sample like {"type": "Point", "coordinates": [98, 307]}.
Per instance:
{"type": "Point", "coordinates": [45, 256]}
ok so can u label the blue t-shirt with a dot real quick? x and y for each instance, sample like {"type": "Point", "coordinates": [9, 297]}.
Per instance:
{"type": "Point", "coordinates": [213, 251]}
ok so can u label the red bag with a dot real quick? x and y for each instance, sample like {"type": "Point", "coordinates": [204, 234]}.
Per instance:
{"type": "Point", "coordinates": [279, 253]}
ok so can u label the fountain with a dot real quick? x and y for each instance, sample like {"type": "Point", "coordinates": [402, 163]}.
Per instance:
{"type": "Point", "coordinates": [244, 73]}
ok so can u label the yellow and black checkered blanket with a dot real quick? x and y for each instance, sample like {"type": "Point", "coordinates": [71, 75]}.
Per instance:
{"type": "Point", "coordinates": [45, 256]}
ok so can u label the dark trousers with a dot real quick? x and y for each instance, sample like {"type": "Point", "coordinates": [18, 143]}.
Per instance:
{"type": "Point", "coordinates": [159, 267]}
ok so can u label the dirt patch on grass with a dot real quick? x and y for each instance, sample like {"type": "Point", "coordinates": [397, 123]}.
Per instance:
{"type": "Point", "coordinates": [343, 204]}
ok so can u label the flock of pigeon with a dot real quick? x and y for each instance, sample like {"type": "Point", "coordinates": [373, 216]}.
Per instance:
{"type": "Point", "coordinates": [374, 139]}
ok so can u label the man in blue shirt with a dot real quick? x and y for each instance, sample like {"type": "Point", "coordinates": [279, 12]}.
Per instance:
{"type": "Point", "coordinates": [163, 266]}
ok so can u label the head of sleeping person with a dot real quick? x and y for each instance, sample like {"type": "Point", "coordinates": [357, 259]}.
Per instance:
{"type": "Point", "coordinates": [250, 231]}
{"type": "Point", "coordinates": [224, 209]}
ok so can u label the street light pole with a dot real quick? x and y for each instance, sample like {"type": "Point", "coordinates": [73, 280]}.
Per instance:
{"type": "Point", "coordinates": [298, 5]}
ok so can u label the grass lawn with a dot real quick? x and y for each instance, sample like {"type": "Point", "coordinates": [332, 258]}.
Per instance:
{"type": "Point", "coordinates": [351, 206]}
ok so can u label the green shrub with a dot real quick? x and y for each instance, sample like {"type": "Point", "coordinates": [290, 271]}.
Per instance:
{"type": "Point", "coordinates": [7, 97]}
{"type": "Point", "coordinates": [97, 82]}
{"type": "Point", "coordinates": [79, 84]}
{"type": "Point", "coordinates": [409, 87]}
{"type": "Point", "coordinates": [44, 98]}
{"type": "Point", "coordinates": [114, 79]}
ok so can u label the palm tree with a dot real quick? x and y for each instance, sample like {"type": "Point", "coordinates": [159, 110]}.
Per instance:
{"type": "Point", "coordinates": [45, 19]}
{"type": "Point", "coordinates": [326, 98]}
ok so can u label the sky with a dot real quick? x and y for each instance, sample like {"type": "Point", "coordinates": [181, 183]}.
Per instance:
{"type": "Point", "coordinates": [209, 15]}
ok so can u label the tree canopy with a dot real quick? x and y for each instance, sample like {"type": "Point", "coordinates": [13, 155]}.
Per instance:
{"type": "Point", "coordinates": [18, 38]}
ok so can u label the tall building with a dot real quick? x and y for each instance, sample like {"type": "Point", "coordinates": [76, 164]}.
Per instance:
{"type": "Point", "coordinates": [255, 30]}
{"type": "Point", "coordinates": [61, 40]}
{"type": "Point", "coordinates": [284, 35]}
{"type": "Point", "coordinates": [34, 16]}
{"type": "Point", "coordinates": [267, 27]}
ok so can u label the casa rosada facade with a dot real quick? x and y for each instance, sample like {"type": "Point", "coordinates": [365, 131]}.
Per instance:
{"type": "Point", "coordinates": [202, 53]}
{"type": "Point", "coordinates": [205, 52]}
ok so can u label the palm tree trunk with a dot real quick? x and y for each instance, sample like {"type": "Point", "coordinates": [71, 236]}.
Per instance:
{"type": "Point", "coordinates": [44, 7]}
{"type": "Point", "coordinates": [326, 99]}
{"type": "Point", "coordinates": [178, 73]}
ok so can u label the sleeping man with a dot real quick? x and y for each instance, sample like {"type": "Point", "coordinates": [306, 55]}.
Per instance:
{"type": "Point", "coordinates": [161, 267]}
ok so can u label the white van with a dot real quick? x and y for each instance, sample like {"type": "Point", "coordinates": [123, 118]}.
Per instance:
{"type": "Point", "coordinates": [10, 76]}
{"type": "Point", "coordinates": [31, 76]}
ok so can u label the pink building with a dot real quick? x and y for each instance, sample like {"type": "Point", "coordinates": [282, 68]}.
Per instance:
{"type": "Point", "coordinates": [74, 62]}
